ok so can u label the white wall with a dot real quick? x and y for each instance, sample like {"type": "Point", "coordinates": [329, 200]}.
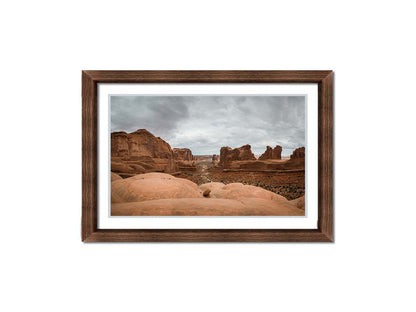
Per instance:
{"type": "Point", "coordinates": [44, 265]}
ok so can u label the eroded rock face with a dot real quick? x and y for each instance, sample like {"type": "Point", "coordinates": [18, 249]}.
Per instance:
{"type": "Point", "coordinates": [272, 153]}
{"type": "Point", "coordinates": [202, 157]}
{"type": "Point", "coordinates": [171, 166]}
{"type": "Point", "coordinates": [185, 165]}
{"type": "Point", "coordinates": [121, 167]}
{"type": "Point", "coordinates": [141, 150]}
{"type": "Point", "coordinates": [228, 155]}
{"type": "Point", "coordinates": [225, 153]}
{"type": "Point", "coordinates": [215, 159]}
{"type": "Point", "coordinates": [119, 144]}
{"type": "Point", "coordinates": [298, 153]}
{"type": "Point", "coordinates": [139, 143]}
{"type": "Point", "coordinates": [184, 159]}
{"type": "Point", "coordinates": [183, 154]}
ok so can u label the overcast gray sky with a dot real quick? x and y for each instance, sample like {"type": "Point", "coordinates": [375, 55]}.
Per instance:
{"type": "Point", "coordinates": [206, 123]}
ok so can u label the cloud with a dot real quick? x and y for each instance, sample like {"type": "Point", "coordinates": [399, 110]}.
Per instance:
{"type": "Point", "coordinates": [206, 123]}
{"type": "Point", "coordinates": [157, 114]}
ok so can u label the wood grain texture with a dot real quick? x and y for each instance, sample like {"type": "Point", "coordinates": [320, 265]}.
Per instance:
{"type": "Point", "coordinates": [89, 156]}
{"type": "Point", "coordinates": [325, 158]}
{"type": "Point", "coordinates": [209, 76]}
{"type": "Point", "coordinates": [207, 236]}
{"type": "Point", "coordinates": [91, 78]}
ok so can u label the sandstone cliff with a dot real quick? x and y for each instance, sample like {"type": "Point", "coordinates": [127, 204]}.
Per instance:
{"type": "Point", "coordinates": [272, 153]}
{"type": "Point", "coordinates": [140, 151]}
{"type": "Point", "coordinates": [183, 154]}
{"type": "Point", "coordinates": [228, 155]}
{"type": "Point", "coordinates": [298, 153]}
{"type": "Point", "coordinates": [215, 159]}
{"type": "Point", "coordinates": [139, 143]}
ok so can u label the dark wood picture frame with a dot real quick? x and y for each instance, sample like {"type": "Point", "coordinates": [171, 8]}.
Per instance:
{"type": "Point", "coordinates": [90, 232]}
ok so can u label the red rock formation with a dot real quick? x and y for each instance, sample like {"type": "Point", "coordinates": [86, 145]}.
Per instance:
{"type": "Point", "coordinates": [298, 153]}
{"type": "Point", "coordinates": [142, 148]}
{"type": "Point", "coordinates": [171, 166]}
{"type": "Point", "coordinates": [215, 159]}
{"type": "Point", "coordinates": [272, 153]}
{"type": "Point", "coordinates": [227, 155]}
{"type": "Point", "coordinates": [225, 151]}
{"type": "Point", "coordinates": [139, 143]}
{"type": "Point", "coordinates": [186, 165]}
{"type": "Point", "coordinates": [202, 157]}
{"type": "Point", "coordinates": [183, 154]}
{"type": "Point", "coordinates": [119, 144]}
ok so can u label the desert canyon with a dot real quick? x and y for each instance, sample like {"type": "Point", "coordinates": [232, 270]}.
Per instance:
{"type": "Point", "coordinates": [149, 178]}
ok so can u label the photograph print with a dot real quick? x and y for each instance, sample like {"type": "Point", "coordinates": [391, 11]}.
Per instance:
{"type": "Point", "coordinates": [208, 155]}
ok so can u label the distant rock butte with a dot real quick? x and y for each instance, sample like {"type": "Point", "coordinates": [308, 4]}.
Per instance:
{"type": "Point", "coordinates": [183, 154]}
{"type": "Point", "coordinates": [215, 159]}
{"type": "Point", "coordinates": [241, 159]}
{"type": "Point", "coordinates": [298, 153]}
{"type": "Point", "coordinates": [228, 155]}
{"type": "Point", "coordinates": [202, 157]}
{"type": "Point", "coordinates": [272, 153]}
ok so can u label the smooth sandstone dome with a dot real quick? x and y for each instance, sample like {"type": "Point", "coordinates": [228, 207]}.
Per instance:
{"type": "Point", "coordinates": [212, 186]}
{"type": "Point", "coordinates": [299, 202]}
{"type": "Point", "coordinates": [158, 194]}
{"type": "Point", "coordinates": [206, 207]}
{"type": "Point", "coordinates": [153, 175]}
{"type": "Point", "coordinates": [115, 176]}
{"type": "Point", "coordinates": [152, 186]}
{"type": "Point", "coordinates": [239, 191]}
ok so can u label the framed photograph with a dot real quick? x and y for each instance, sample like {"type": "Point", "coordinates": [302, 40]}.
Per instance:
{"type": "Point", "coordinates": [207, 156]}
